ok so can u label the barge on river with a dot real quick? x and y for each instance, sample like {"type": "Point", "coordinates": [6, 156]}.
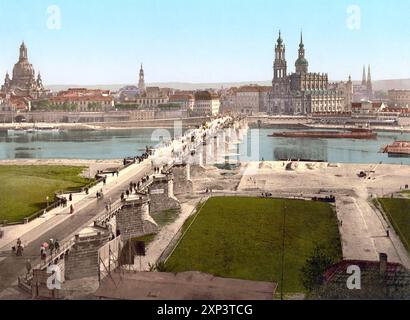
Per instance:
{"type": "Point", "coordinates": [351, 134]}
{"type": "Point", "coordinates": [398, 149]}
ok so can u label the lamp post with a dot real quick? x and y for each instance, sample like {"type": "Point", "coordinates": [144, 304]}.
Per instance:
{"type": "Point", "coordinates": [283, 253]}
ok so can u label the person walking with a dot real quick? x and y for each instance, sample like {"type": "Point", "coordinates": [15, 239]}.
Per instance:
{"type": "Point", "coordinates": [56, 245]}
{"type": "Point", "coordinates": [51, 246]}
{"type": "Point", "coordinates": [70, 197]}
{"type": "Point", "coordinates": [71, 209]}
{"type": "Point", "coordinates": [43, 253]}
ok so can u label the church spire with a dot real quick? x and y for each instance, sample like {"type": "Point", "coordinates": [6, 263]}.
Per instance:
{"type": "Point", "coordinates": [301, 63]}
{"type": "Point", "coordinates": [364, 82]}
{"type": "Point", "coordinates": [141, 82]}
{"type": "Point", "coordinates": [279, 65]}
{"type": "Point", "coordinates": [369, 84]}
{"type": "Point", "coordinates": [369, 76]}
{"type": "Point", "coordinates": [23, 51]}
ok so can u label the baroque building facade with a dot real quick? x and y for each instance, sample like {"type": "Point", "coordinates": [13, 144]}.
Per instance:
{"type": "Point", "coordinates": [303, 92]}
{"type": "Point", "coordinates": [24, 82]}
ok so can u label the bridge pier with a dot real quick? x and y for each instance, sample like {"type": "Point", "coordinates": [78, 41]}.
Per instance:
{"type": "Point", "coordinates": [161, 193]}
{"type": "Point", "coordinates": [182, 178]}
{"type": "Point", "coordinates": [134, 220]}
{"type": "Point", "coordinates": [82, 260]}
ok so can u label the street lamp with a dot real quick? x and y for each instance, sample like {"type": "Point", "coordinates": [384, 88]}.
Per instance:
{"type": "Point", "coordinates": [283, 253]}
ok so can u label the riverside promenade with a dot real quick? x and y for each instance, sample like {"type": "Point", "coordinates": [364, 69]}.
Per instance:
{"type": "Point", "coordinates": [60, 224]}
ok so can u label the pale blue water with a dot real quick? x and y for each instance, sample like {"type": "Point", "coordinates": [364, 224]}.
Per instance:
{"type": "Point", "coordinates": [112, 144]}
{"type": "Point", "coordinates": [331, 150]}
{"type": "Point", "coordinates": [117, 144]}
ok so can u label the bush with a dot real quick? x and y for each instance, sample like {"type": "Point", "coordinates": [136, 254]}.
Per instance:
{"type": "Point", "coordinates": [314, 268]}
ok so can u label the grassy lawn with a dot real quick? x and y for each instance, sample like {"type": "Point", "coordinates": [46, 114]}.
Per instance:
{"type": "Point", "coordinates": [23, 189]}
{"type": "Point", "coordinates": [398, 212]}
{"type": "Point", "coordinates": [241, 237]}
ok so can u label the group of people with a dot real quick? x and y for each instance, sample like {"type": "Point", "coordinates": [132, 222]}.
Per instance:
{"type": "Point", "coordinates": [62, 202]}
{"type": "Point", "coordinates": [133, 187]}
{"type": "Point", "coordinates": [100, 194]}
{"type": "Point", "coordinates": [49, 247]}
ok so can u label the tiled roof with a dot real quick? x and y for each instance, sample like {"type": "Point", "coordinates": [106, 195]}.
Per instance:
{"type": "Point", "coordinates": [378, 281]}
{"type": "Point", "coordinates": [179, 97]}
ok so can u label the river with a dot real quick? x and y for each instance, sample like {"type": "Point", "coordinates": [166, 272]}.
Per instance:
{"type": "Point", "coordinates": [117, 144]}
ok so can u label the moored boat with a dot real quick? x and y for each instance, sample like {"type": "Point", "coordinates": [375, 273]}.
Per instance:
{"type": "Point", "coordinates": [398, 149]}
{"type": "Point", "coordinates": [351, 134]}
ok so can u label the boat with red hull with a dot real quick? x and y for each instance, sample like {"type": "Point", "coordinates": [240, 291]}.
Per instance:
{"type": "Point", "coordinates": [351, 134]}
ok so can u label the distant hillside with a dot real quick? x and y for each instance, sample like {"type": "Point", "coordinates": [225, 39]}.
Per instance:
{"type": "Point", "coordinates": [383, 85]}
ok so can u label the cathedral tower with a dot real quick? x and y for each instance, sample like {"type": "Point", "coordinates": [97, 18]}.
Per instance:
{"type": "Point", "coordinates": [369, 84]}
{"type": "Point", "coordinates": [301, 64]}
{"type": "Point", "coordinates": [141, 82]}
{"type": "Point", "coordinates": [280, 65]}
{"type": "Point", "coordinates": [364, 82]}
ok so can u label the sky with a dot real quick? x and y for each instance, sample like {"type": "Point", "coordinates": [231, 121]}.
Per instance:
{"type": "Point", "coordinates": [202, 41]}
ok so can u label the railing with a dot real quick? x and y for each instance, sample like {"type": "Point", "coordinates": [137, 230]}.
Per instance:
{"type": "Point", "coordinates": [113, 210]}
{"type": "Point", "coordinates": [57, 253]}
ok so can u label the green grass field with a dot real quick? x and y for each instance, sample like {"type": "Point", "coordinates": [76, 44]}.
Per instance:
{"type": "Point", "coordinates": [23, 189]}
{"type": "Point", "coordinates": [241, 237]}
{"type": "Point", "coordinates": [398, 212]}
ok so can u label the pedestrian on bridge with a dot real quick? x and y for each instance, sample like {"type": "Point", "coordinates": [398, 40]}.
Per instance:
{"type": "Point", "coordinates": [70, 197]}
{"type": "Point", "coordinates": [51, 246]}
{"type": "Point", "coordinates": [71, 209]}
{"type": "Point", "coordinates": [56, 245]}
{"type": "Point", "coordinates": [43, 252]}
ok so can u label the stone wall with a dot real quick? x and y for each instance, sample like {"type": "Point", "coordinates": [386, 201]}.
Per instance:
{"type": "Point", "coordinates": [182, 179]}
{"type": "Point", "coordinates": [134, 219]}
{"type": "Point", "coordinates": [161, 193]}
{"type": "Point", "coordinates": [82, 260]}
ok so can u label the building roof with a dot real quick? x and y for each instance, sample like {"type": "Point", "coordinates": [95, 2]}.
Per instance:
{"type": "Point", "coordinates": [205, 95]}
{"type": "Point", "coordinates": [301, 62]}
{"type": "Point", "coordinates": [181, 97]}
{"type": "Point", "coordinates": [379, 280]}
{"type": "Point", "coordinates": [182, 286]}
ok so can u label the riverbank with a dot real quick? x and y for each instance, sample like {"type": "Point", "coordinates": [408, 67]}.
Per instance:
{"type": "Point", "coordinates": [112, 125]}
{"type": "Point", "coordinates": [91, 166]}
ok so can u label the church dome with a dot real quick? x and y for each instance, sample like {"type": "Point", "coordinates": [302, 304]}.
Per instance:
{"type": "Point", "coordinates": [23, 69]}
{"type": "Point", "coordinates": [301, 62]}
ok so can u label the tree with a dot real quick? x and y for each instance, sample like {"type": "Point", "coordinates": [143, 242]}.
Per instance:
{"type": "Point", "coordinates": [314, 268]}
